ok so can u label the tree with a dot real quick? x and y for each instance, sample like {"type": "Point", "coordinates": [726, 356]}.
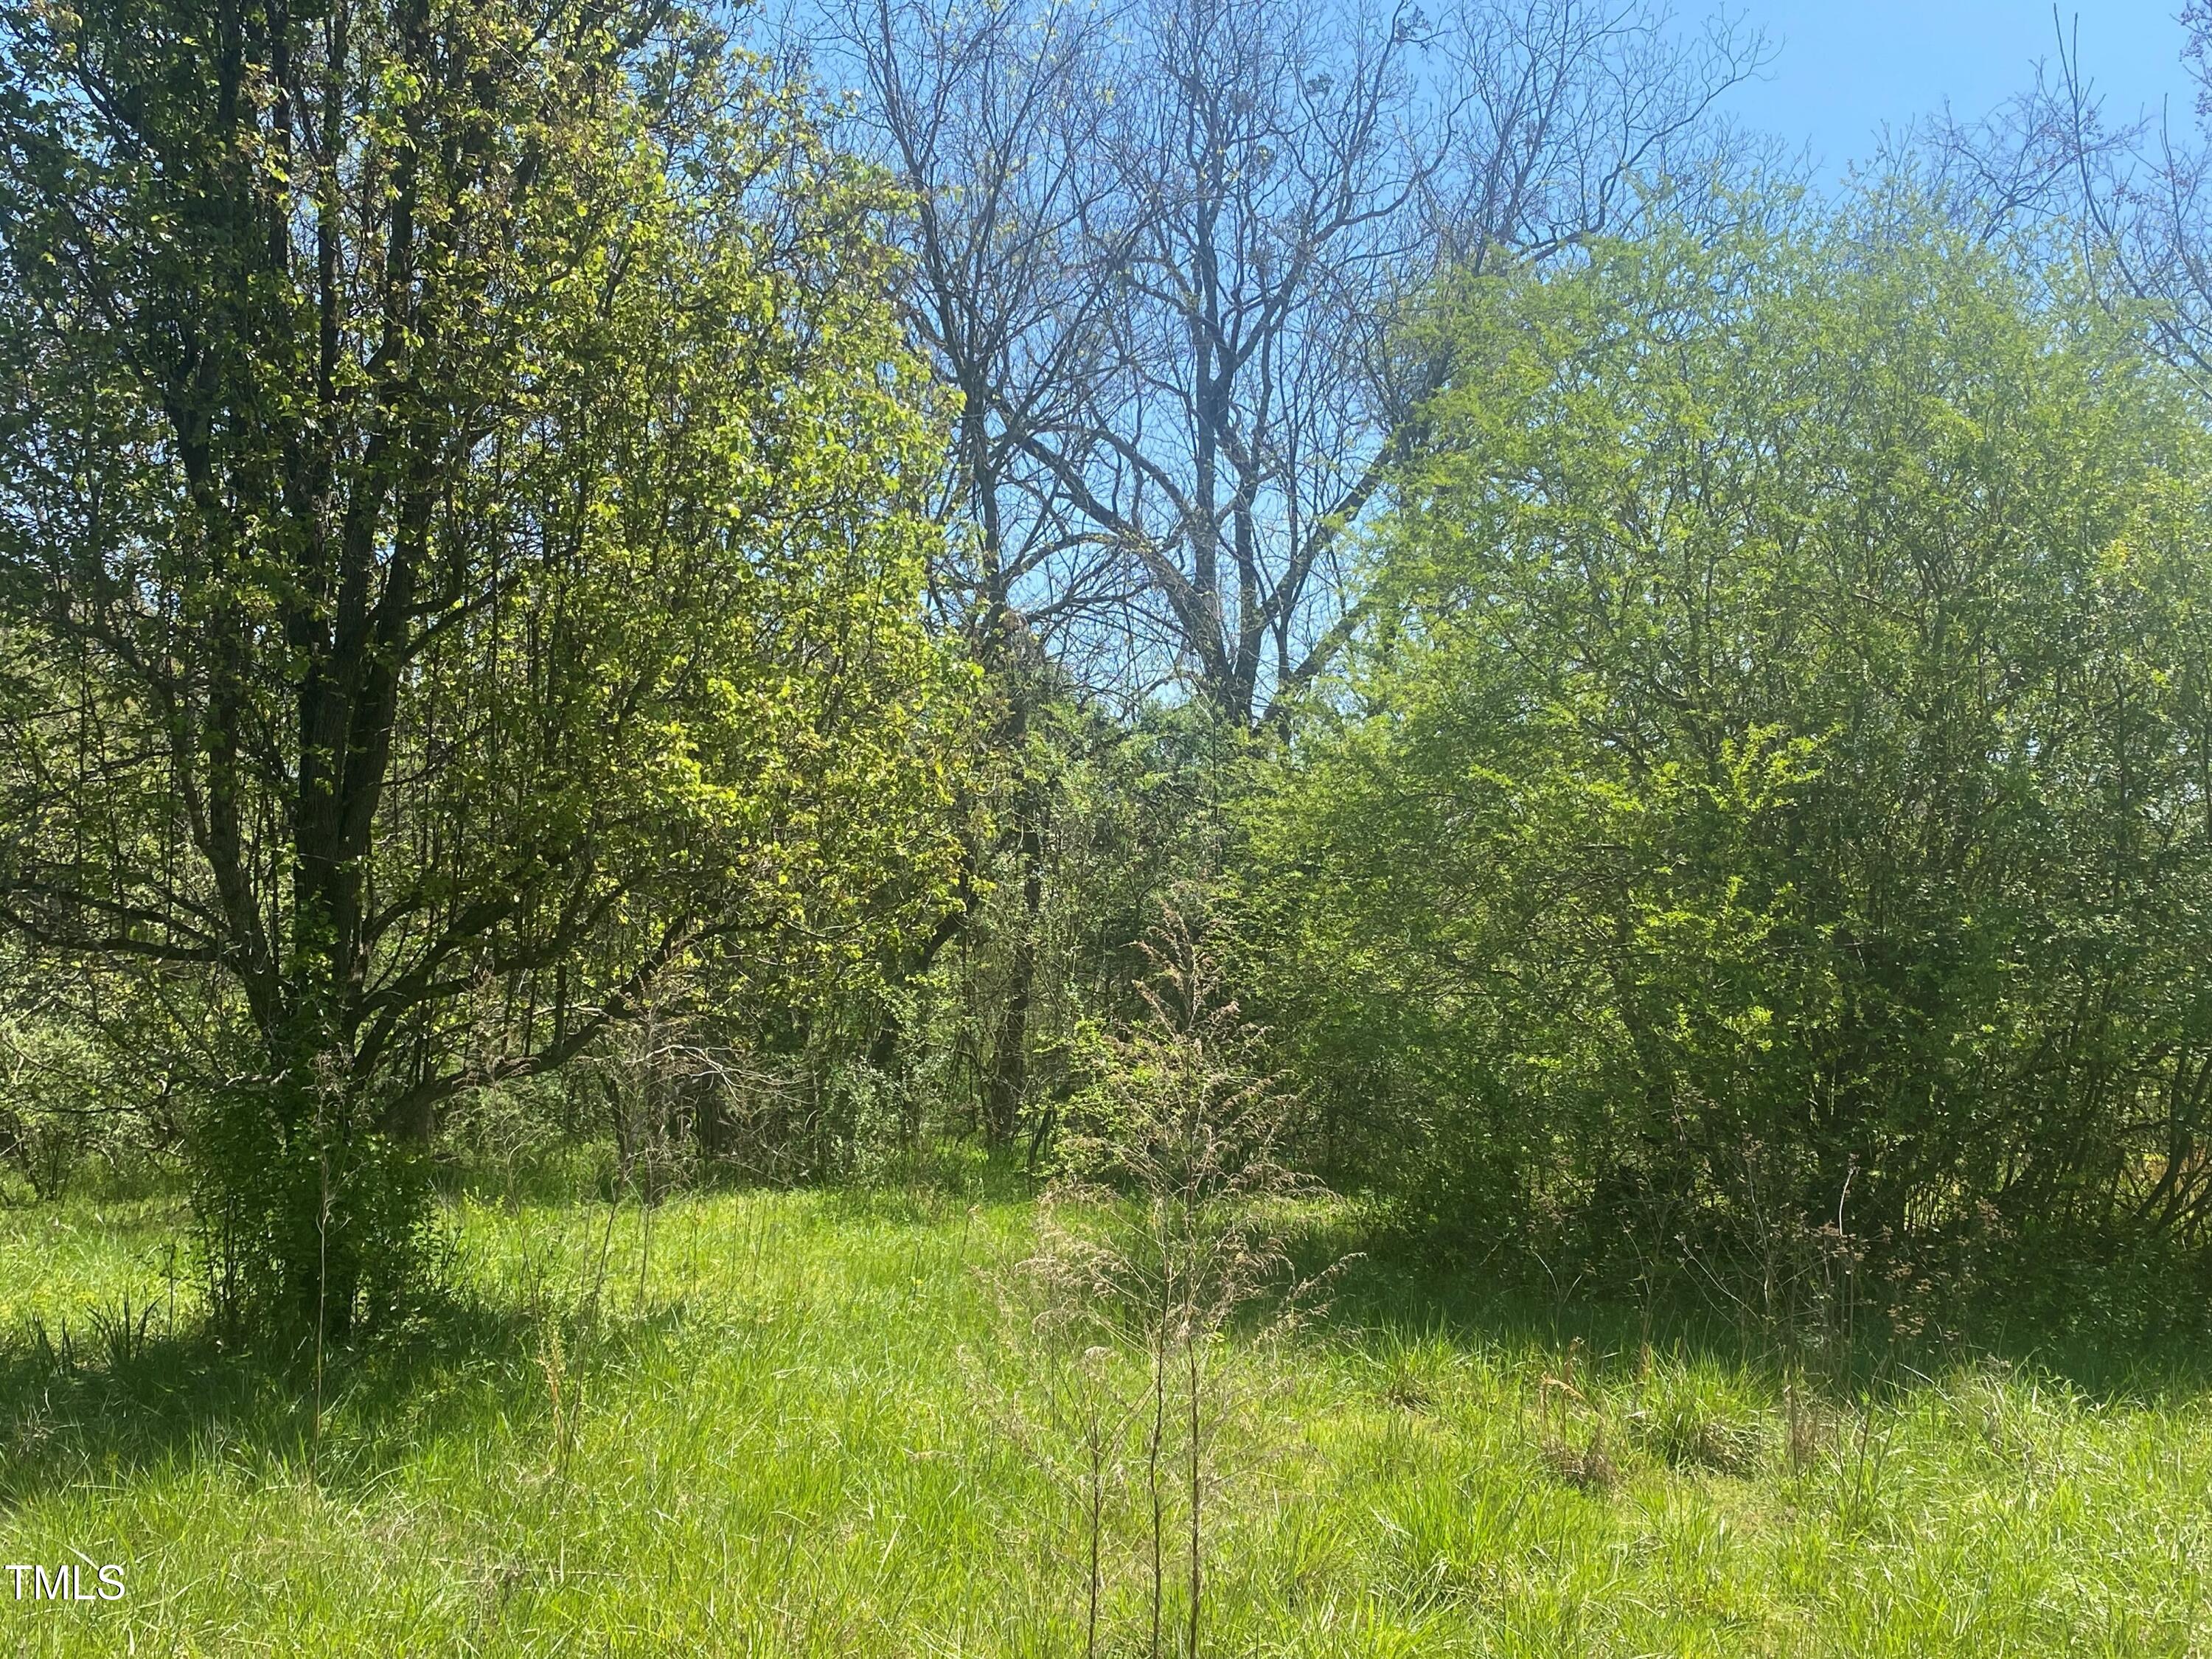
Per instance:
{"type": "Point", "coordinates": [992, 118]}
{"type": "Point", "coordinates": [1159, 249]}
{"type": "Point", "coordinates": [1155, 248]}
{"type": "Point", "coordinates": [460, 512]}
{"type": "Point", "coordinates": [2054, 164]}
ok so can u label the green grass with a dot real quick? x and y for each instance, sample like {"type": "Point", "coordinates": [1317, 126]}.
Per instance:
{"type": "Point", "coordinates": [814, 1424]}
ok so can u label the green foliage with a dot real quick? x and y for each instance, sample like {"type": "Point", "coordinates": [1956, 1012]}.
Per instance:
{"type": "Point", "coordinates": [75, 1099]}
{"type": "Point", "coordinates": [1772, 797]}
{"type": "Point", "coordinates": [1082, 833]}
{"type": "Point", "coordinates": [1175, 1108]}
{"type": "Point", "coordinates": [52, 1081]}
{"type": "Point", "coordinates": [461, 561]}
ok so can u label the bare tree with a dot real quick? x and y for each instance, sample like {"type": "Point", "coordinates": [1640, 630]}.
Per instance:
{"type": "Point", "coordinates": [2145, 198]}
{"type": "Point", "coordinates": [990, 116]}
{"type": "Point", "coordinates": [1162, 249]}
{"type": "Point", "coordinates": [2129, 194]}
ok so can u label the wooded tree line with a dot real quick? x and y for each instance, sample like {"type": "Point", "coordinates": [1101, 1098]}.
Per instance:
{"type": "Point", "coordinates": [697, 580]}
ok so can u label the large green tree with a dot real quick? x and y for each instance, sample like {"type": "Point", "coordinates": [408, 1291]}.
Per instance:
{"type": "Point", "coordinates": [1778, 799]}
{"type": "Point", "coordinates": [457, 555]}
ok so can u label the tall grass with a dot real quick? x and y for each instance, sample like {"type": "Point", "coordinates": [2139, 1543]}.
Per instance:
{"type": "Point", "coordinates": [792, 1429]}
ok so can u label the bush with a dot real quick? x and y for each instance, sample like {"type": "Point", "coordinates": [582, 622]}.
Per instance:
{"type": "Point", "coordinates": [1773, 799]}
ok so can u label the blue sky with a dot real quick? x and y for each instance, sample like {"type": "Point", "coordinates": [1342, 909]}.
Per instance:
{"type": "Point", "coordinates": [1846, 66]}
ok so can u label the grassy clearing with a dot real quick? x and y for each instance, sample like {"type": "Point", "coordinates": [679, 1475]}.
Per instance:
{"type": "Point", "coordinates": [811, 1423]}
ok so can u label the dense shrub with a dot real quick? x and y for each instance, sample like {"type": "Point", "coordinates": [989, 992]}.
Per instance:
{"type": "Point", "coordinates": [1773, 801]}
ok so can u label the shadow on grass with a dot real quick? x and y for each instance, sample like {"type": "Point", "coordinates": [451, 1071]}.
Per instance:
{"type": "Point", "coordinates": [2114, 1342]}
{"type": "Point", "coordinates": [134, 1388]}
{"type": "Point", "coordinates": [110, 1401]}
